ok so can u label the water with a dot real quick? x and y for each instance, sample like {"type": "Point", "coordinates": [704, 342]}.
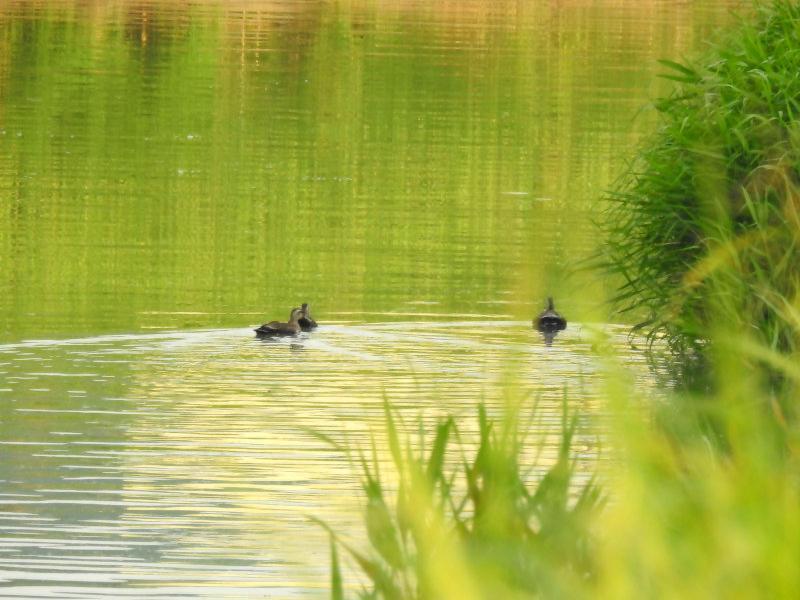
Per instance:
{"type": "Point", "coordinates": [180, 462]}
{"type": "Point", "coordinates": [174, 174]}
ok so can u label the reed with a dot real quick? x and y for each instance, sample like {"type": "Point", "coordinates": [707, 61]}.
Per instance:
{"type": "Point", "coordinates": [480, 528]}
{"type": "Point", "coordinates": [707, 211]}
{"type": "Point", "coordinates": [691, 517]}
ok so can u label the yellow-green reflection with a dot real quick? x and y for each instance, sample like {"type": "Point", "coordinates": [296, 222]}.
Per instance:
{"type": "Point", "coordinates": [227, 158]}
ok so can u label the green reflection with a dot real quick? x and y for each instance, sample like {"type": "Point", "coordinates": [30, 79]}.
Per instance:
{"type": "Point", "coordinates": [214, 164]}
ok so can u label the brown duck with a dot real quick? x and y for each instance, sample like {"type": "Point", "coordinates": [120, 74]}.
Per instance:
{"type": "Point", "coordinates": [306, 322]}
{"type": "Point", "coordinates": [274, 328]}
{"type": "Point", "coordinates": [550, 321]}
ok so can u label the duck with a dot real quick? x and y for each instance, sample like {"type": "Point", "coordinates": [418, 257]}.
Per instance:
{"type": "Point", "coordinates": [274, 328]}
{"type": "Point", "coordinates": [549, 320]}
{"type": "Point", "coordinates": [306, 322]}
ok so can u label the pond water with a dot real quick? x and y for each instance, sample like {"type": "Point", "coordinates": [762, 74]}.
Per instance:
{"type": "Point", "coordinates": [174, 173]}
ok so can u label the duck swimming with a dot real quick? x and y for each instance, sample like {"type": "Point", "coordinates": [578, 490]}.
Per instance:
{"type": "Point", "coordinates": [549, 321]}
{"type": "Point", "coordinates": [306, 322]}
{"type": "Point", "coordinates": [274, 328]}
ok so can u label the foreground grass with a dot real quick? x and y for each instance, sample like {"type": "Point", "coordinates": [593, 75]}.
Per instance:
{"type": "Point", "coordinates": [477, 529]}
{"type": "Point", "coordinates": [688, 517]}
{"type": "Point", "coordinates": [698, 511]}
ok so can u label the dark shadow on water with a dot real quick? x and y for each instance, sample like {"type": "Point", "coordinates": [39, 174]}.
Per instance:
{"type": "Point", "coordinates": [294, 342]}
{"type": "Point", "coordinates": [548, 335]}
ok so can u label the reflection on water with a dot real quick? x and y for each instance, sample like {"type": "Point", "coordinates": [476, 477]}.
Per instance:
{"type": "Point", "coordinates": [181, 461]}
{"type": "Point", "coordinates": [175, 164]}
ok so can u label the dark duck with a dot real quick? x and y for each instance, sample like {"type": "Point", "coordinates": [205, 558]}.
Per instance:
{"type": "Point", "coordinates": [274, 328]}
{"type": "Point", "coordinates": [550, 322]}
{"type": "Point", "coordinates": [306, 322]}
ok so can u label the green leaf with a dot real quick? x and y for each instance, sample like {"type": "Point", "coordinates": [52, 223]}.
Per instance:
{"type": "Point", "coordinates": [382, 580]}
{"type": "Point", "coordinates": [436, 460]}
{"type": "Point", "coordinates": [337, 592]}
{"type": "Point", "coordinates": [681, 68]}
{"type": "Point", "coordinates": [382, 532]}
{"type": "Point", "coordinates": [325, 438]}
{"type": "Point", "coordinates": [394, 440]}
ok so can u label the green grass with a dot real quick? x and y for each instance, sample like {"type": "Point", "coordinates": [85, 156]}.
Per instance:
{"type": "Point", "coordinates": [474, 527]}
{"type": "Point", "coordinates": [709, 210]}
{"type": "Point", "coordinates": [693, 511]}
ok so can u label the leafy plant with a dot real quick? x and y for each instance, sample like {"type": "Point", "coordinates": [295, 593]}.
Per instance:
{"type": "Point", "coordinates": [707, 217]}
{"type": "Point", "coordinates": [476, 530]}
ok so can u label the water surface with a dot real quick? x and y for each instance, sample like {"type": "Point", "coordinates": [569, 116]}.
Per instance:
{"type": "Point", "coordinates": [172, 174]}
{"type": "Point", "coordinates": [181, 462]}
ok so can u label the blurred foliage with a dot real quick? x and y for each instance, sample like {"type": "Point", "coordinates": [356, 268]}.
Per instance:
{"type": "Point", "coordinates": [484, 528]}
{"type": "Point", "coordinates": [694, 511]}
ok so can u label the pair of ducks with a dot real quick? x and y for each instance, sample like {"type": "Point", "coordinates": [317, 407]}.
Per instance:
{"type": "Point", "coordinates": [299, 320]}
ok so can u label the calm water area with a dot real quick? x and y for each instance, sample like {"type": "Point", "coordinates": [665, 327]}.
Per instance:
{"type": "Point", "coordinates": [173, 173]}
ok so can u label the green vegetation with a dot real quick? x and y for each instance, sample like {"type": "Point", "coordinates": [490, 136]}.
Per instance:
{"type": "Point", "coordinates": [477, 529]}
{"type": "Point", "coordinates": [709, 211]}
{"type": "Point", "coordinates": [703, 485]}
{"type": "Point", "coordinates": [686, 518]}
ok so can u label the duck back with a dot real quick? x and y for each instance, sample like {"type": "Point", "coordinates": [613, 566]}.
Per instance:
{"type": "Point", "coordinates": [549, 319]}
{"type": "Point", "coordinates": [306, 322]}
{"type": "Point", "coordinates": [274, 328]}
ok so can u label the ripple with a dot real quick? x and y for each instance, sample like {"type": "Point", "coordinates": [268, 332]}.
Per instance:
{"type": "Point", "coordinates": [190, 449]}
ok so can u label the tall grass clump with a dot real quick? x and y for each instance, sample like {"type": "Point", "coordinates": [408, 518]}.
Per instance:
{"type": "Point", "coordinates": [481, 528]}
{"type": "Point", "coordinates": [691, 517]}
{"type": "Point", "coordinates": [716, 187]}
